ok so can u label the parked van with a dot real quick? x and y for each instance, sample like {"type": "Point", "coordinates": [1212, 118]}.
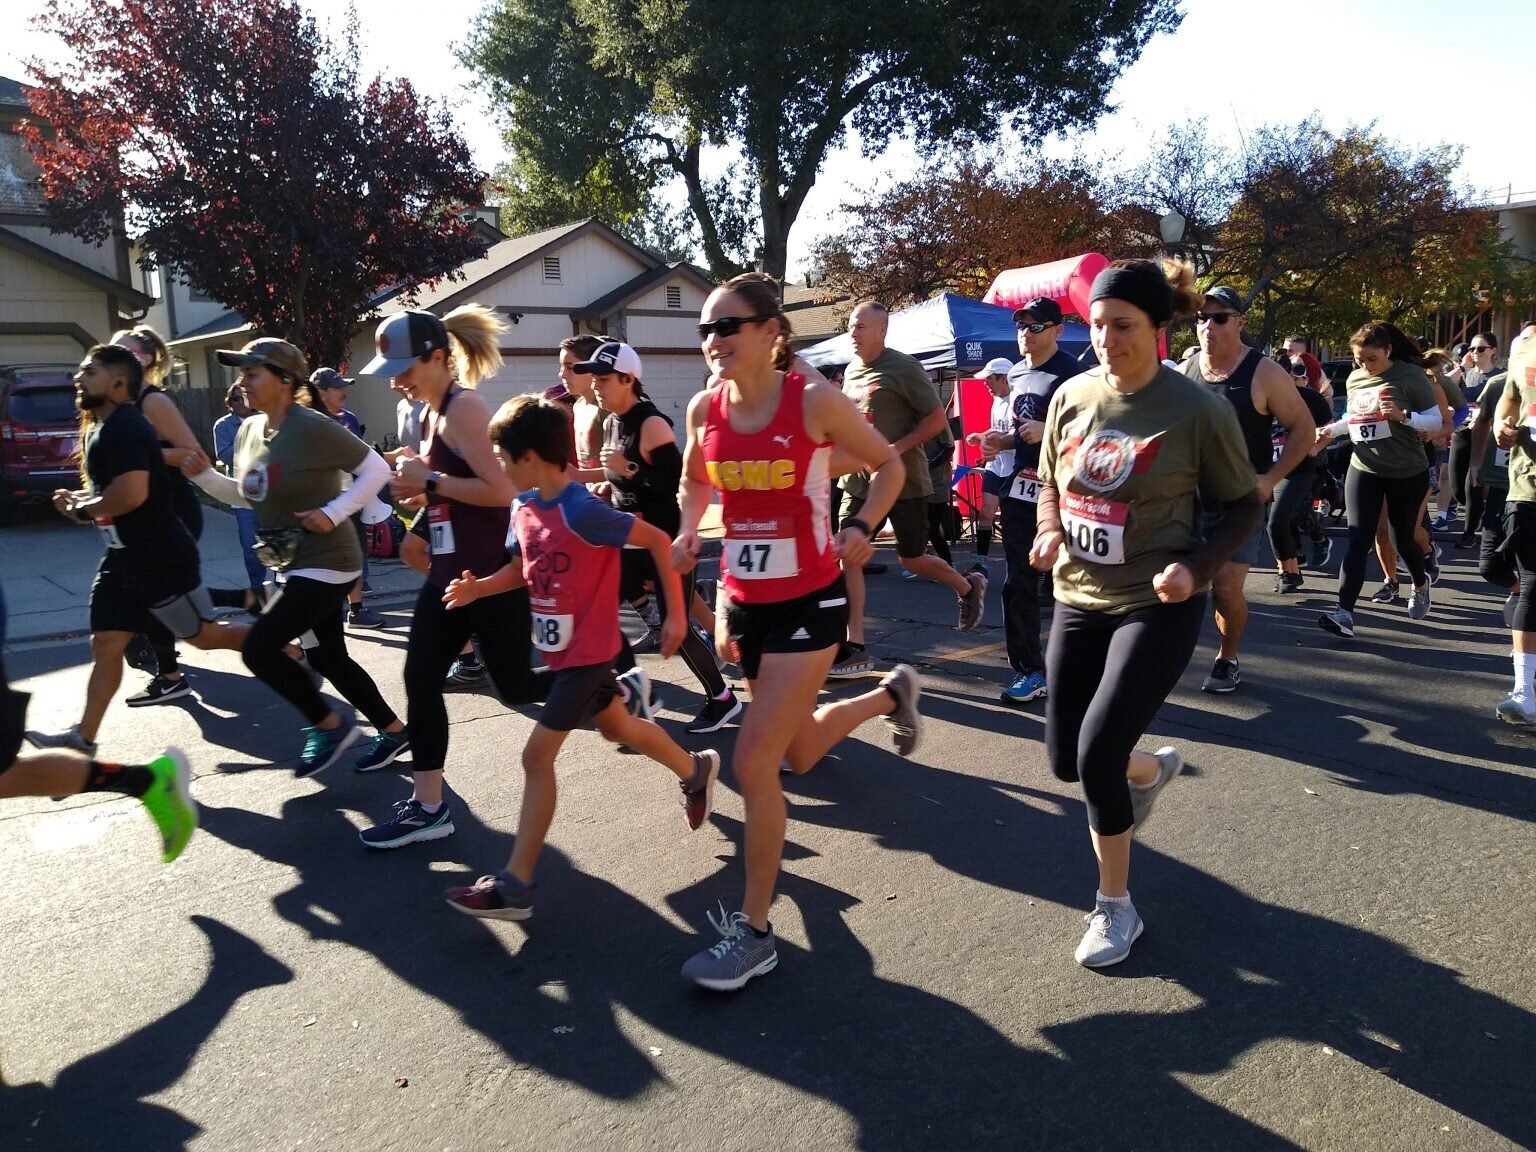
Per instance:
{"type": "Point", "coordinates": [38, 433]}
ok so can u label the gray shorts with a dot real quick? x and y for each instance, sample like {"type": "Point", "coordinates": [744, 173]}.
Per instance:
{"type": "Point", "coordinates": [1248, 553]}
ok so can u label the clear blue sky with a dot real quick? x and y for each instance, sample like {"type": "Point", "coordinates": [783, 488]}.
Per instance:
{"type": "Point", "coordinates": [1240, 63]}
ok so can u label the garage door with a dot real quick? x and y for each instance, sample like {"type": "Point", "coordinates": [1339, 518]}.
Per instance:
{"type": "Point", "coordinates": [39, 350]}
{"type": "Point", "coordinates": [671, 382]}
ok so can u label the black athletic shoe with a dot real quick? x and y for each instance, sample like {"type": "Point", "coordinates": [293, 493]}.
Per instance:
{"type": "Point", "coordinates": [715, 716]}
{"type": "Point", "coordinates": [160, 690]}
{"type": "Point", "coordinates": [1288, 582]}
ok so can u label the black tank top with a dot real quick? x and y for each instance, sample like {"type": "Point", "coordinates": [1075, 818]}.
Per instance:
{"type": "Point", "coordinates": [1238, 389]}
{"type": "Point", "coordinates": [650, 493]}
{"type": "Point", "coordinates": [460, 536]}
{"type": "Point", "coordinates": [189, 509]}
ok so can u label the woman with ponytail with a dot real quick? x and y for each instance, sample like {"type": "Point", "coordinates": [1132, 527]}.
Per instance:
{"type": "Point", "coordinates": [438, 361]}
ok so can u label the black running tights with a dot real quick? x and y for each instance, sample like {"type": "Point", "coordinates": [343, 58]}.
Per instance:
{"type": "Point", "coordinates": [1364, 494]}
{"type": "Point", "coordinates": [304, 605]}
{"type": "Point", "coordinates": [1109, 674]}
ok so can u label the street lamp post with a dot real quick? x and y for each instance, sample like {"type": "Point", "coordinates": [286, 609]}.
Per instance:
{"type": "Point", "coordinates": [1171, 228]}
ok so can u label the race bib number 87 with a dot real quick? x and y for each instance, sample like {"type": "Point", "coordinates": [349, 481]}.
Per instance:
{"type": "Point", "coordinates": [1095, 529]}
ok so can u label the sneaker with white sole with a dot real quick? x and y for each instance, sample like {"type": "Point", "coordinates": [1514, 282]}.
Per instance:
{"type": "Point", "coordinates": [160, 690]}
{"type": "Point", "coordinates": [69, 738]}
{"type": "Point", "coordinates": [1517, 710]}
{"type": "Point", "coordinates": [715, 715]}
{"type": "Point", "coordinates": [169, 801]}
{"type": "Point", "coordinates": [1418, 603]}
{"type": "Point", "coordinates": [499, 897]}
{"type": "Point", "coordinates": [465, 675]}
{"type": "Point", "coordinates": [1224, 677]}
{"type": "Point", "coordinates": [1112, 929]}
{"type": "Point", "coordinates": [642, 701]}
{"type": "Point", "coordinates": [852, 662]}
{"type": "Point", "coordinates": [740, 955]}
{"type": "Point", "coordinates": [1386, 594]}
{"type": "Point", "coordinates": [699, 793]}
{"type": "Point", "coordinates": [905, 722]}
{"type": "Point", "coordinates": [383, 750]}
{"type": "Point", "coordinates": [1169, 765]}
{"type": "Point", "coordinates": [410, 823]}
{"type": "Point", "coordinates": [1338, 621]}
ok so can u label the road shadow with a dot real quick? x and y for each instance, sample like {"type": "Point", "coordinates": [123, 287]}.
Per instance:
{"type": "Point", "coordinates": [102, 1100]}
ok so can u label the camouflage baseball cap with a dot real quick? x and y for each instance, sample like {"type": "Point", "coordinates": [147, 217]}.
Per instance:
{"type": "Point", "coordinates": [279, 355]}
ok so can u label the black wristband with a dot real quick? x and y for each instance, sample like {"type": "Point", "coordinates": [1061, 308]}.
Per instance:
{"type": "Point", "coordinates": [855, 522]}
{"type": "Point", "coordinates": [430, 484]}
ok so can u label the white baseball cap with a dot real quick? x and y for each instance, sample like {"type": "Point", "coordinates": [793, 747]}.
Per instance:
{"type": "Point", "coordinates": [997, 367]}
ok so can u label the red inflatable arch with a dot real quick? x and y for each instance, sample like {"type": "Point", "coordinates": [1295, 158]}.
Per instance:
{"type": "Point", "coordinates": [1065, 281]}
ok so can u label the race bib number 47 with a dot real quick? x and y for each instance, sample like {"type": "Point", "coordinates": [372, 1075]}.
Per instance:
{"type": "Point", "coordinates": [1095, 528]}
{"type": "Point", "coordinates": [761, 550]}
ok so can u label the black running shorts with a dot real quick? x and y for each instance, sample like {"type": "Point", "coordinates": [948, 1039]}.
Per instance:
{"type": "Point", "coordinates": [808, 624]}
{"type": "Point", "coordinates": [129, 601]}
{"type": "Point", "coordinates": [577, 695]}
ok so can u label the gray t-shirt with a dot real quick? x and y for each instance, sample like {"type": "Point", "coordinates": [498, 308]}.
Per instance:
{"type": "Point", "coordinates": [298, 468]}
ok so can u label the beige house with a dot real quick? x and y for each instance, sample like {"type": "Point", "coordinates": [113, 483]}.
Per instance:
{"type": "Point", "coordinates": [582, 277]}
{"type": "Point", "coordinates": [58, 294]}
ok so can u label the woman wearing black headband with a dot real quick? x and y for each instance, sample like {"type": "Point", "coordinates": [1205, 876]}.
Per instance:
{"type": "Point", "coordinates": [1126, 446]}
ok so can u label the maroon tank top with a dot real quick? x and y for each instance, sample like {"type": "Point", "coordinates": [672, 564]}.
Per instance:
{"type": "Point", "coordinates": [460, 535]}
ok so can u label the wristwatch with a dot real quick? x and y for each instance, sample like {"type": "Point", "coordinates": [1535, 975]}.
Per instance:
{"type": "Point", "coordinates": [855, 522]}
{"type": "Point", "coordinates": [430, 484]}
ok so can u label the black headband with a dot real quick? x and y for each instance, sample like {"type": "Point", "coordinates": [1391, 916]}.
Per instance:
{"type": "Point", "coordinates": [1142, 284]}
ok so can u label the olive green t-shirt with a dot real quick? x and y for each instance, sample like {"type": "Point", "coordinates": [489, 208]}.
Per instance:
{"type": "Point", "coordinates": [1493, 470]}
{"type": "Point", "coordinates": [1522, 457]}
{"type": "Point", "coordinates": [1384, 447]}
{"type": "Point", "coordinates": [894, 393]}
{"type": "Point", "coordinates": [1126, 470]}
{"type": "Point", "coordinates": [297, 469]}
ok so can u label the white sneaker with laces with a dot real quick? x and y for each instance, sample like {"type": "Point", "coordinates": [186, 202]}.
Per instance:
{"type": "Point", "coordinates": [1516, 709]}
{"type": "Point", "coordinates": [1112, 929]}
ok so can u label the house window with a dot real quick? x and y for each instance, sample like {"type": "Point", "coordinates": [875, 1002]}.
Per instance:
{"type": "Point", "coordinates": [674, 295]}
{"type": "Point", "coordinates": [551, 269]}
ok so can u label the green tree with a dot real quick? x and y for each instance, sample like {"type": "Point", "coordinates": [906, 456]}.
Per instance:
{"type": "Point", "coordinates": [630, 93]}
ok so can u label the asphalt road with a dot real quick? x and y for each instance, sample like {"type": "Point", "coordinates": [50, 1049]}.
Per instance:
{"type": "Point", "coordinates": [1337, 951]}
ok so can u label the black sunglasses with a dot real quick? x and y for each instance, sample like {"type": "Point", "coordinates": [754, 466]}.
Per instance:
{"type": "Point", "coordinates": [1482, 348]}
{"type": "Point", "coordinates": [729, 325]}
{"type": "Point", "coordinates": [1036, 328]}
{"type": "Point", "coordinates": [1217, 318]}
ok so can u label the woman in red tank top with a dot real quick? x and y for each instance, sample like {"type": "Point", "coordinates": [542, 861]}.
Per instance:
{"type": "Point", "coordinates": [764, 436]}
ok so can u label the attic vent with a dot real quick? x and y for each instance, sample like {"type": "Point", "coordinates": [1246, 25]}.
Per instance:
{"type": "Point", "coordinates": [674, 295]}
{"type": "Point", "coordinates": [552, 269]}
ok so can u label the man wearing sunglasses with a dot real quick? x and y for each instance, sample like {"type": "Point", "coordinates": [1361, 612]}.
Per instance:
{"type": "Point", "coordinates": [1261, 393]}
{"type": "Point", "coordinates": [1474, 381]}
{"type": "Point", "coordinates": [896, 396]}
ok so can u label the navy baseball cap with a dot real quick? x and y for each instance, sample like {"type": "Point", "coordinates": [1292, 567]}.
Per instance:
{"type": "Point", "coordinates": [1042, 310]}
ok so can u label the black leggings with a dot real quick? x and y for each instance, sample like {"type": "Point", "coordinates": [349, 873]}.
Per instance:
{"type": "Point", "coordinates": [1109, 675]}
{"type": "Point", "coordinates": [1460, 461]}
{"type": "Point", "coordinates": [1495, 560]}
{"type": "Point", "coordinates": [1291, 495]}
{"type": "Point", "coordinates": [505, 630]}
{"type": "Point", "coordinates": [938, 531]}
{"type": "Point", "coordinates": [304, 605]}
{"type": "Point", "coordinates": [640, 567]}
{"type": "Point", "coordinates": [1520, 530]}
{"type": "Point", "coordinates": [1364, 493]}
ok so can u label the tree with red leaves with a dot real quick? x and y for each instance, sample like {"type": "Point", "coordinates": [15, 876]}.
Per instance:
{"type": "Point", "coordinates": [234, 140]}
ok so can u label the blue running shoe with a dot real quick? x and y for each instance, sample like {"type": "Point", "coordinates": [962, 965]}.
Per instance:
{"type": "Point", "coordinates": [1029, 686]}
{"type": "Point", "coordinates": [323, 747]}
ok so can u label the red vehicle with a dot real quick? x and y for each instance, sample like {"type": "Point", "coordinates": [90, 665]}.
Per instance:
{"type": "Point", "coordinates": [38, 434]}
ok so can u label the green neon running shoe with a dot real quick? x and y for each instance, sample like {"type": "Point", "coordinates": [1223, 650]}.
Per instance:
{"type": "Point", "coordinates": [169, 801]}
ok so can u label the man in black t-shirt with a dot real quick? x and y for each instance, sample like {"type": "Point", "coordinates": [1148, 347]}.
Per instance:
{"type": "Point", "coordinates": [150, 568]}
{"type": "Point", "coordinates": [1031, 384]}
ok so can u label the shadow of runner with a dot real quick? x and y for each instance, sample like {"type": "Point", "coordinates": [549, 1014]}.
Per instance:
{"type": "Point", "coordinates": [103, 1098]}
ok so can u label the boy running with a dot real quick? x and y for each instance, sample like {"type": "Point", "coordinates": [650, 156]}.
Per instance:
{"type": "Point", "coordinates": [565, 545]}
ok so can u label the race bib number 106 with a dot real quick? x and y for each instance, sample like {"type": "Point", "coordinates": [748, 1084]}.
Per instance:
{"type": "Point", "coordinates": [1095, 528]}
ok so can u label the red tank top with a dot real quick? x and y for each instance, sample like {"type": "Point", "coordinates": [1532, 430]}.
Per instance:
{"type": "Point", "coordinates": [774, 494]}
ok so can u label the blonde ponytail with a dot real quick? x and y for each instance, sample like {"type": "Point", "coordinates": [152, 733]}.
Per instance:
{"type": "Point", "coordinates": [475, 334]}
